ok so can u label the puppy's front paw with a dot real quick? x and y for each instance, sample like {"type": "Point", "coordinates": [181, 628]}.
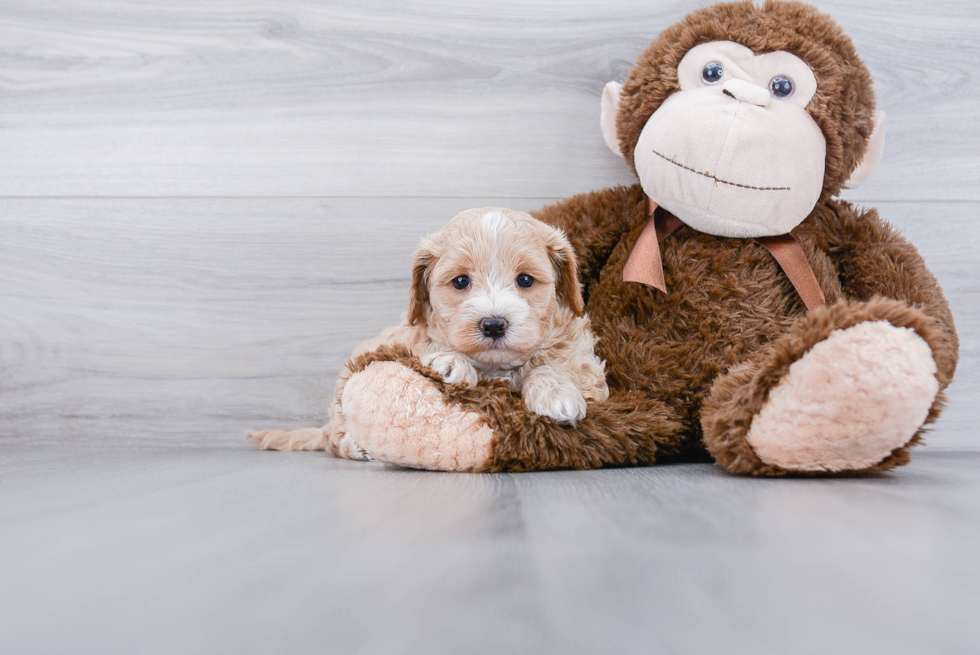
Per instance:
{"type": "Point", "coordinates": [452, 367]}
{"type": "Point", "coordinates": [554, 397]}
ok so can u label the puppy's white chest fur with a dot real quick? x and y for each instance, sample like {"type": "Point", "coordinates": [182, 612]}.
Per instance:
{"type": "Point", "coordinates": [456, 367]}
{"type": "Point", "coordinates": [508, 375]}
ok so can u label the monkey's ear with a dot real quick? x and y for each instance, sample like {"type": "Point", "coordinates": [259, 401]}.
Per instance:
{"type": "Point", "coordinates": [418, 300]}
{"type": "Point", "coordinates": [566, 273]}
{"type": "Point", "coordinates": [607, 116]}
{"type": "Point", "coordinates": [872, 156]}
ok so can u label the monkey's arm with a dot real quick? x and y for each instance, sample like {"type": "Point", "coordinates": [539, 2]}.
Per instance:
{"type": "Point", "coordinates": [595, 222]}
{"type": "Point", "coordinates": [404, 413]}
{"type": "Point", "coordinates": [873, 259]}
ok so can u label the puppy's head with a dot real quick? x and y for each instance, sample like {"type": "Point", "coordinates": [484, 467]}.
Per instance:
{"type": "Point", "coordinates": [491, 283]}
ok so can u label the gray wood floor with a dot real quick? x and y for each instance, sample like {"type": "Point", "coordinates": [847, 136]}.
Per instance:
{"type": "Point", "coordinates": [205, 205]}
{"type": "Point", "coordinates": [206, 551]}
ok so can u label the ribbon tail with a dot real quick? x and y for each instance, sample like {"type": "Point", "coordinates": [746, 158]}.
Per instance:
{"type": "Point", "coordinates": [791, 258]}
{"type": "Point", "coordinates": [645, 264]}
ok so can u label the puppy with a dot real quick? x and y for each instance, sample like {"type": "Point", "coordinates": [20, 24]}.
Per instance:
{"type": "Point", "coordinates": [494, 295]}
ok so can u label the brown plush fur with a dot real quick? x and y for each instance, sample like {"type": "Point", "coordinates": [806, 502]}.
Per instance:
{"type": "Point", "coordinates": [689, 369]}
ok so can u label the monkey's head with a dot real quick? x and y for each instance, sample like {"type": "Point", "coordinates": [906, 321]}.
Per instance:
{"type": "Point", "coordinates": [740, 118]}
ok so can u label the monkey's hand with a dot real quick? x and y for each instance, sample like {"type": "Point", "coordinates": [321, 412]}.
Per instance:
{"type": "Point", "coordinates": [402, 415]}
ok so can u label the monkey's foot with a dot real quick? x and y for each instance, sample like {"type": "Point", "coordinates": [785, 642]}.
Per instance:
{"type": "Point", "coordinates": [826, 400]}
{"type": "Point", "coordinates": [399, 416]}
{"type": "Point", "coordinates": [849, 402]}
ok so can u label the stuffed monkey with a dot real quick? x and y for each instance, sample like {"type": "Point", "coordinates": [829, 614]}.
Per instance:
{"type": "Point", "coordinates": [745, 313]}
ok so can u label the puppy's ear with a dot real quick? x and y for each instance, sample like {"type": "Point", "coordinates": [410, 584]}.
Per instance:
{"type": "Point", "coordinates": [418, 299]}
{"type": "Point", "coordinates": [566, 272]}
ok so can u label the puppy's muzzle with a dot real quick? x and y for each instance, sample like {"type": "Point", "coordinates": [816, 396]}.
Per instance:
{"type": "Point", "coordinates": [493, 327]}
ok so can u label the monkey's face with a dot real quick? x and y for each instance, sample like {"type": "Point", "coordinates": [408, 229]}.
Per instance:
{"type": "Point", "coordinates": [742, 144]}
{"type": "Point", "coordinates": [734, 152]}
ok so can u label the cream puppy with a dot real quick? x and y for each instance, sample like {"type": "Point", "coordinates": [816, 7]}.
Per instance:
{"type": "Point", "coordinates": [494, 295]}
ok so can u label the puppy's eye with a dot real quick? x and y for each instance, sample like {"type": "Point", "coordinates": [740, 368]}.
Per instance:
{"type": "Point", "coordinates": [524, 280]}
{"type": "Point", "coordinates": [461, 282]}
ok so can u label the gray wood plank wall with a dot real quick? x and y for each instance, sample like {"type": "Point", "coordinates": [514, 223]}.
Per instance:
{"type": "Point", "coordinates": [205, 205]}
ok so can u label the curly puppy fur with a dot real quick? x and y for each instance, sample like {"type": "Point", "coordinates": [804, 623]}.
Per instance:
{"type": "Point", "coordinates": [486, 264]}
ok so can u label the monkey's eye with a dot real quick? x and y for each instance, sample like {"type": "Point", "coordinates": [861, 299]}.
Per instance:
{"type": "Point", "coordinates": [461, 282]}
{"type": "Point", "coordinates": [524, 280]}
{"type": "Point", "coordinates": [712, 73]}
{"type": "Point", "coordinates": [781, 86]}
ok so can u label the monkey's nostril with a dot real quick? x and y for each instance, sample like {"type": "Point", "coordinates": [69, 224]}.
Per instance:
{"type": "Point", "coordinates": [746, 92]}
{"type": "Point", "coordinates": [493, 327]}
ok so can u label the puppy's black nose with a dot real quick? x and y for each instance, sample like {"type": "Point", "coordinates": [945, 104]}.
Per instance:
{"type": "Point", "coordinates": [493, 327]}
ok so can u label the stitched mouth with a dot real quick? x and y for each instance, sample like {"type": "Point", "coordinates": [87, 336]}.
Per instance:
{"type": "Point", "coordinates": [719, 180]}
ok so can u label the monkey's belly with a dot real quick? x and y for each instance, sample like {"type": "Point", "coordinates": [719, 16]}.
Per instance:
{"type": "Point", "coordinates": [726, 299]}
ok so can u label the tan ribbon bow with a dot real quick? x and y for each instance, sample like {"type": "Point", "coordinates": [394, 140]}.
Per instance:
{"type": "Point", "coordinates": [646, 266]}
